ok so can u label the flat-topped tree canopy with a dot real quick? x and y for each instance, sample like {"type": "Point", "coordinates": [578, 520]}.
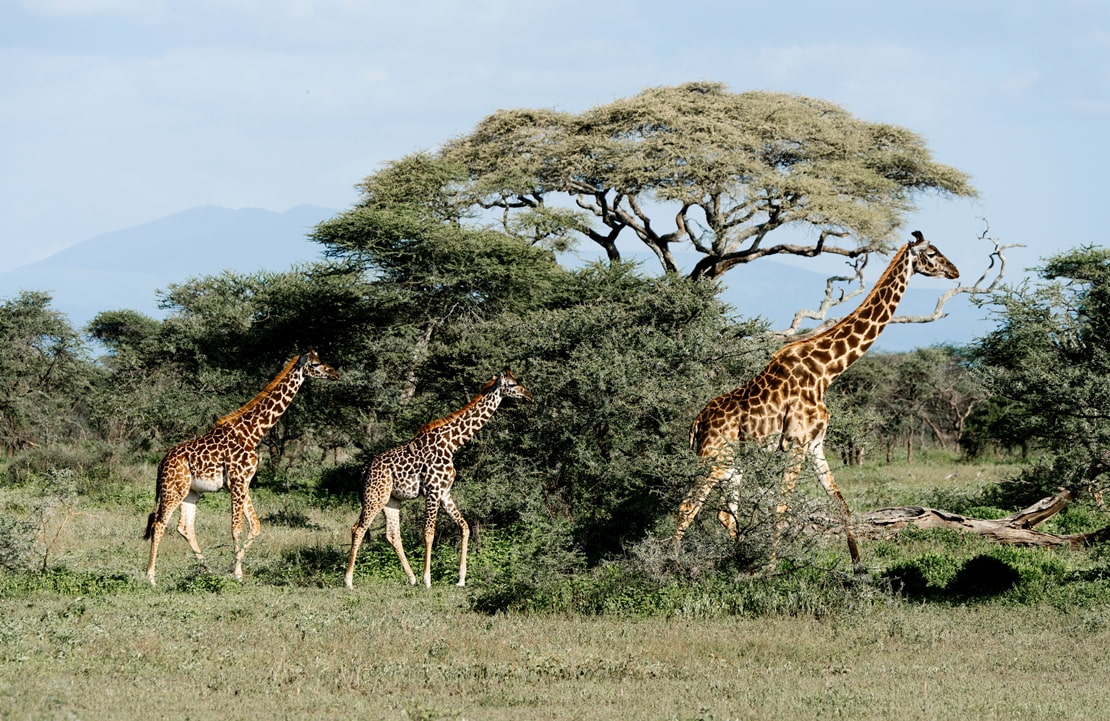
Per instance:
{"type": "Point", "coordinates": [697, 164]}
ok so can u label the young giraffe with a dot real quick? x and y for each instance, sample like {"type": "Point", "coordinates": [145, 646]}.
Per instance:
{"type": "Point", "coordinates": [224, 458]}
{"type": "Point", "coordinates": [783, 407]}
{"type": "Point", "coordinates": [424, 466]}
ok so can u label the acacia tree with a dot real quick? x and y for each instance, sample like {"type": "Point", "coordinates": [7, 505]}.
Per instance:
{"type": "Point", "coordinates": [700, 165]}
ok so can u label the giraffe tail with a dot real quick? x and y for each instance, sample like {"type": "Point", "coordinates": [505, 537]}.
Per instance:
{"type": "Point", "coordinates": [149, 533]}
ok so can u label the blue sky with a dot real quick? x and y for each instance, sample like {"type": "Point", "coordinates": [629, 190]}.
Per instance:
{"type": "Point", "coordinates": [117, 112]}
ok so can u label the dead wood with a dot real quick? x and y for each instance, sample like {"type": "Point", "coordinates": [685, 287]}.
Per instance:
{"type": "Point", "coordinates": [1017, 529]}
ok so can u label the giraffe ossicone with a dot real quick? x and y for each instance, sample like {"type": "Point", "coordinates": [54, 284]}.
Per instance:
{"type": "Point", "coordinates": [225, 458]}
{"type": "Point", "coordinates": [425, 467]}
{"type": "Point", "coordinates": [783, 407]}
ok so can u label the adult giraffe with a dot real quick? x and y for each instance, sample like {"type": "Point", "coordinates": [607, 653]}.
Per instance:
{"type": "Point", "coordinates": [783, 407]}
{"type": "Point", "coordinates": [225, 458]}
{"type": "Point", "coordinates": [424, 466]}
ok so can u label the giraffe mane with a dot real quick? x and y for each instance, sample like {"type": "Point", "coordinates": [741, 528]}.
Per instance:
{"type": "Point", "coordinates": [235, 415]}
{"type": "Point", "coordinates": [431, 425]}
{"type": "Point", "coordinates": [880, 283]}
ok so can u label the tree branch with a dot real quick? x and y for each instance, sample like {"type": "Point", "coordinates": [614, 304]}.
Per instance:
{"type": "Point", "coordinates": [996, 267]}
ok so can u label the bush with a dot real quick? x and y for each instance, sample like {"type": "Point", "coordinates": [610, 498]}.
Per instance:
{"type": "Point", "coordinates": [17, 541]}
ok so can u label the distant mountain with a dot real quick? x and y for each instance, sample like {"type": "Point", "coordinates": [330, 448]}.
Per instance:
{"type": "Point", "coordinates": [124, 268]}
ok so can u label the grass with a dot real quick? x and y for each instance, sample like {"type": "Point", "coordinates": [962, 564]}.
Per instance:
{"type": "Point", "coordinates": [90, 639]}
{"type": "Point", "coordinates": [390, 651]}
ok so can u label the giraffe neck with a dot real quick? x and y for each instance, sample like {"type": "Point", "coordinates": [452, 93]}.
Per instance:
{"type": "Point", "coordinates": [462, 425]}
{"type": "Point", "coordinates": [258, 416]}
{"type": "Point", "coordinates": [844, 343]}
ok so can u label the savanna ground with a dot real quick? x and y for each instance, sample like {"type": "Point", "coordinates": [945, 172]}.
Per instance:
{"type": "Point", "coordinates": [88, 638]}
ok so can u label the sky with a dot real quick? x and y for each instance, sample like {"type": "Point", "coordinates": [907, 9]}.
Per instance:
{"type": "Point", "coordinates": [118, 112]}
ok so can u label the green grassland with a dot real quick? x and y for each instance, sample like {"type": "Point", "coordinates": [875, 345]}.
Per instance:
{"type": "Point", "coordinates": [88, 638]}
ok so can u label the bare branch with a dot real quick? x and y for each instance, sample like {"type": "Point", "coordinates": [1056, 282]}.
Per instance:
{"type": "Point", "coordinates": [995, 270]}
{"type": "Point", "coordinates": [831, 300]}
{"type": "Point", "coordinates": [996, 265]}
{"type": "Point", "coordinates": [715, 266]}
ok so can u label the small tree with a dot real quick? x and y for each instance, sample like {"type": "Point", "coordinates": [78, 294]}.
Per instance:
{"type": "Point", "coordinates": [1047, 366]}
{"type": "Point", "coordinates": [45, 374]}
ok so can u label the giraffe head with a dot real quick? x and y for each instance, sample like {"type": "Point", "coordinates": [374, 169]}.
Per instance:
{"type": "Point", "coordinates": [929, 261]}
{"type": "Point", "coordinates": [510, 387]}
{"type": "Point", "coordinates": [316, 368]}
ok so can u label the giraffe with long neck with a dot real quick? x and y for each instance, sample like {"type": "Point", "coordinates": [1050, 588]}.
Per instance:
{"type": "Point", "coordinates": [783, 407]}
{"type": "Point", "coordinates": [425, 466]}
{"type": "Point", "coordinates": [224, 458]}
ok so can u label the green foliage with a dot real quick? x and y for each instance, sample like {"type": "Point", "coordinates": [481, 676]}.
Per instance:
{"type": "Point", "coordinates": [48, 503]}
{"type": "Point", "coordinates": [45, 375]}
{"type": "Point", "coordinates": [1004, 573]}
{"type": "Point", "coordinates": [733, 166]}
{"type": "Point", "coordinates": [17, 541]}
{"type": "Point", "coordinates": [892, 399]}
{"type": "Point", "coordinates": [1048, 368]}
{"type": "Point", "coordinates": [225, 338]}
{"type": "Point", "coordinates": [208, 583]}
{"type": "Point", "coordinates": [68, 582]}
{"type": "Point", "coordinates": [515, 562]}
{"type": "Point", "coordinates": [624, 589]}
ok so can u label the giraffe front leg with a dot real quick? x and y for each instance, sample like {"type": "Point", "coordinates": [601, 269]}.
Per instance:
{"type": "Point", "coordinates": [727, 516]}
{"type": "Point", "coordinates": [254, 522]}
{"type": "Point", "coordinates": [825, 477]}
{"type": "Point", "coordinates": [464, 528]}
{"type": "Point", "coordinates": [431, 512]}
{"type": "Point", "coordinates": [795, 461]}
{"type": "Point", "coordinates": [238, 508]}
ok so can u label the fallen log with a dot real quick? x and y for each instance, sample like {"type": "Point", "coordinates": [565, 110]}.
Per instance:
{"type": "Point", "coordinates": [1017, 529]}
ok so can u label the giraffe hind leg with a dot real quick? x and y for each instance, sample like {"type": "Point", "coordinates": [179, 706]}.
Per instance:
{"type": "Point", "coordinates": [186, 525]}
{"type": "Point", "coordinates": [374, 501]}
{"type": "Point", "coordinates": [392, 512]}
{"type": "Point", "coordinates": [695, 499]}
{"type": "Point", "coordinates": [172, 488]}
